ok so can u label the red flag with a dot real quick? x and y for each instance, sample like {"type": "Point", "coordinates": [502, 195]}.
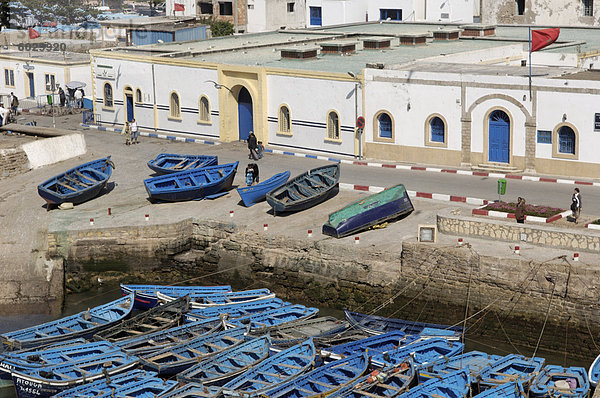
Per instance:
{"type": "Point", "coordinates": [179, 7]}
{"type": "Point", "coordinates": [33, 34]}
{"type": "Point", "coordinates": [543, 37]}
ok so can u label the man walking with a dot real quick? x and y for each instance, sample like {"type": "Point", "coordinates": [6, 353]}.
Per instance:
{"type": "Point", "coordinates": [134, 131]}
{"type": "Point", "coordinates": [61, 96]}
{"type": "Point", "coordinates": [252, 144]}
{"type": "Point", "coordinates": [576, 204]}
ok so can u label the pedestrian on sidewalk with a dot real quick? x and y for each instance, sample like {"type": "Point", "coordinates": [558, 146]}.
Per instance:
{"type": "Point", "coordinates": [576, 204]}
{"type": "Point", "coordinates": [78, 99]}
{"type": "Point", "coordinates": [134, 131]}
{"type": "Point", "coordinates": [61, 96]}
{"type": "Point", "coordinates": [252, 145]}
{"type": "Point", "coordinates": [520, 210]}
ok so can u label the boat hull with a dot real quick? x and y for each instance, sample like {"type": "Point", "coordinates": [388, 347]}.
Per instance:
{"type": "Point", "coordinates": [169, 163]}
{"type": "Point", "coordinates": [255, 193]}
{"type": "Point", "coordinates": [367, 212]}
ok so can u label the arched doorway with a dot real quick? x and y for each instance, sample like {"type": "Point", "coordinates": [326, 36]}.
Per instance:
{"type": "Point", "coordinates": [499, 137]}
{"type": "Point", "coordinates": [129, 112]}
{"type": "Point", "coordinates": [245, 119]}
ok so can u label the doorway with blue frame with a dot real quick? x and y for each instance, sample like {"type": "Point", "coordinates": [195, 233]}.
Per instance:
{"type": "Point", "coordinates": [499, 137]}
{"type": "Point", "coordinates": [245, 115]}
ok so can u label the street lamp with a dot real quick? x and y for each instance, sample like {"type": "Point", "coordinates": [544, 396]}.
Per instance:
{"type": "Point", "coordinates": [359, 130]}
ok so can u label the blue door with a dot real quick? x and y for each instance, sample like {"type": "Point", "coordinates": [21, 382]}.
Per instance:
{"type": "Point", "coordinates": [246, 122]}
{"type": "Point", "coordinates": [31, 84]}
{"type": "Point", "coordinates": [315, 16]}
{"type": "Point", "coordinates": [499, 137]}
{"type": "Point", "coordinates": [129, 101]}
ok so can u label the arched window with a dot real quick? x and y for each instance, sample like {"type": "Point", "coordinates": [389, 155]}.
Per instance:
{"type": "Point", "coordinates": [108, 95]}
{"type": "Point", "coordinates": [437, 129]}
{"type": "Point", "coordinates": [566, 140]}
{"type": "Point", "coordinates": [204, 109]}
{"type": "Point", "coordinates": [285, 125]}
{"type": "Point", "coordinates": [138, 96]}
{"type": "Point", "coordinates": [174, 108]}
{"type": "Point", "coordinates": [333, 126]}
{"type": "Point", "coordinates": [385, 125]}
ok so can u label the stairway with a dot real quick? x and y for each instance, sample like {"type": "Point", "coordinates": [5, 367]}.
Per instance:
{"type": "Point", "coordinates": [492, 167]}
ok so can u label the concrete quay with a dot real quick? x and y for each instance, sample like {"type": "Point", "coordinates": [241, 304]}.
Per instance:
{"type": "Point", "coordinates": [202, 240]}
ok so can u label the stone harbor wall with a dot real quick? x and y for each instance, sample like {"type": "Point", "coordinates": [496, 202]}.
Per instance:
{"type": "Point", "coordinates": [13, 161]}
{"type": "Point", "coordinates": [418, 281]}
{"type": "Point", "coordinates": [586, 240]}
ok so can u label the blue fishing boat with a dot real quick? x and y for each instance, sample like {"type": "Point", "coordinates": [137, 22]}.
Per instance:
{"type": "Point", "coordinates": [146, 298]}
{"type": "Point", "coordinates": [364, 213]}
{"type": "Point", "coordinates": [390, 382]}
{"type": "Point", "coordinates": [168, 163]}
{"type": "Point", "coordinates": [105, 385]}
{"type": "Point", "coordinates": [375, 344]}
{"type": "Point", "coordinates": [510, 368]}
{"type": "Point", "coordinates": [279, 368]}
{"type": "Point", "coordinates": [148, 343]}
{"type": "Point", "coordinates": [306, 190]}
{"type": "Point", "coordinates": [262, 322]}
{"type": "Point", "coordinates": [227, 364]}
{"type": "Point", "coordinates": [221, 299]}
{"type": "Point", "coordinates": [49, 356]}
{"type": "Point", "coordinates": [78, 184]}
{"type": "Point", "coordinates": [236, 310]}
{"type": "Point", "coordinates": [374, 324]}
{"type": "Point", "coordinates": [323, 380]}
{"type": "Point", "coordinates": [298, 331]}
{"type": "Point", "coordinates": [594, 372]}
{"type": "Point", "coordinates": [513, 389]}
{"type": "Point", "coordinates": [83, 324]}
{"type": "Point", "coordinates": [155, 319]}
{"type": "Point", "coordinates": [47, 382]}
{"type": "Point", "coordinates": [452, 385]}
{"type": "Point", "coordinates": [191, 185]}
{"type": "Point", "coordinates": [423, 352]}
{"type": "Point", "coordinates": [475, 361]}
{"type": "Point", "coordinates": [175, 359]}
{"type": "Point", "coordinates": [190, 390]}
{"type": "Point", "coordinates": [253, 194]}
{"type": "Point", "coordinates": [556, 381]}
{"type": "Point", "coordinates": [148, 388]}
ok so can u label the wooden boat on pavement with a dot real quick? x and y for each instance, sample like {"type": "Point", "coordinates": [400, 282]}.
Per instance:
{"type": "Point", "coordinates": [36, 359]}
{"type": "Point", "coordinates": [510, 368]}
{"type": "Point", "coordinates": [155, 319]}
{"type": "Point", "coordinates": [49, 381]}
{"type": "Point", "coordinates": [79, 184]}
{"type": "Point", "coordinates": [323, 380]}
{"type": "Point", "coordinates": [423, 352]}
{"type": "Point", "coordinates": [374, 324]}
{"type": "Point", "coordinates": [390, 382]}
{"type": "Point", "coordinates": [147, 343]}
{"type": "Point", "coordinates": [104, 386]}
{"type": "Point", "coordinates": [364, 213]}
{"type": "Point", "coordinates": [264, 321]}
{"type": "Point", "coordinates": [306, 190]}
{"type": "Point", "coordinates": [513, 389]}
{"type": "Point", "coordinates": [168, 163]}
{"type": "Point", "coordinates": [375, 344]}
{"type": "Point", "coordinates": [146, 298]}
{"type": "Point", "coordinates": [191, 185]}
{"type": "Point", "coordinates": [557, 381]}
{"type": "Point", "coordinates": [173, 360]}
{"type": "Point", "coordinates": [452, 385]}
{"type": "Point", "coordinates": [233, 311]}
{"type": "Point", "coordinates": [253, 194]}
{"type": "Point", "coordinates": [83, 324]}
{"type": "Point", "coordinates": [221, 299]}
{"type": "Point", "coordinates": [227, 364]}
{"type": "Point", "coordinates": [295, 332]}
{"type": "Point", "coordinates": [279, 368]}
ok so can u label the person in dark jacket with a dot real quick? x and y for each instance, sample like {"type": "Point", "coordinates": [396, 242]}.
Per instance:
{"type": "Point", "coordinates": [520, 210]}
{"type": "Point", "coordinates": [576, 204]}
{"type": "Point", "coordinates": [61, 96]}
{"type": "Point", "coordinates": [252, 145]}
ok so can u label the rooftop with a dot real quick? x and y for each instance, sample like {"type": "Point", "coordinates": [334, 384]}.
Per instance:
{"type": "Point", "coordinates": [47, 56]}
{"type": "Point", "coordinates": [144, 21]}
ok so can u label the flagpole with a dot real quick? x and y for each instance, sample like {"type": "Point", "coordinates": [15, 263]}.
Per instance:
{"type": "Point", "coordinates": [530, 63]}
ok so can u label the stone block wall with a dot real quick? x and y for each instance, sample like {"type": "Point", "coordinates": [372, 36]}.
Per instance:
{"type": "Point", "coordinates": [13, 161]}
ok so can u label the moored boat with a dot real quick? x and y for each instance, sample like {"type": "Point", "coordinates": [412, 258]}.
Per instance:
{"type": "Point", "coordinates": [295, 332]}
{"type": "Point", "coordinates": [146, 298]}
{"type": "Point", "coordinates": [191, 185]}
{"type": "Point", "coordinates": [306, 190]}
{"type": "Point", "coordinates": [253, 194]}
{"type": "Point", "coordinates": [364, 213]}
{"type": "Point", "coordinates": [377, 344]}
{"type": "Point", "coordinates": [452, 385]}
{"type": "Point", "coordinates": [262, 322]}
{"type": "Point", "coordinates": [423, 352]}
{"type": "Point", "coordinates": [219, 368]}
{"type": "Point", "coordinates": [594, 372]}
{"type": "Point", "coordinates": [512, 389]}
{"type": "Point", "coordinates": [83, 324]}
{"type": "Point", "coordinates": [168, 163]}
{"type": "Point", "coordinates": [510, 368]}
{"type": "Point", "coordinates": [557, 381]}
{"type": "Point", "coordinates": [233, 311]}
{"type": "Point", "coordinates": [475, 361]}
{"type": "Point", "coordinates": [105, 385]}
{"type": "Point", "coordinates": [221, 299]}
{"type": "Point", "coordinates": [79, 184]}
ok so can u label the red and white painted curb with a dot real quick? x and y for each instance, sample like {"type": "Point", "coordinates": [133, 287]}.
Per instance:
{"type": "Point", "coordinates": [502, 214]}
{"type": "Point", "coordinates": [415, 194]}
{"type": "Point", "coordinates": [592, 226]}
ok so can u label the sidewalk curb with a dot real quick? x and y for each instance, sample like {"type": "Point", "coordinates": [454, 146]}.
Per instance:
{"type": "Point", "coordinates": [502, 214]}
{"type": "Point", "coordinates": [153, 135]}
{"type": "Point", "coordinates": [438, 170]}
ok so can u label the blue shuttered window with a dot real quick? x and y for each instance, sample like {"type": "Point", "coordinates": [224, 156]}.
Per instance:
{"type": "Point", "coordinates": [566, 140]}
{"type": "Point", "coordinates": [544, 137]}
{"type": "Point", "coordinates": [315, 16]}
{"type": "Point", "coordinates": [385, 125]}
{"type": "Point", "coordinates": [438, 129]}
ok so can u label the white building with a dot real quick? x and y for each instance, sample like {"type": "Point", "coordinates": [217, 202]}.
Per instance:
{"type": "Point", "coordinates": [469, 106]}
{"type": "Point", "coordinates": [541, 12]}
{"type": "Point", "coordinates": [268, 15]}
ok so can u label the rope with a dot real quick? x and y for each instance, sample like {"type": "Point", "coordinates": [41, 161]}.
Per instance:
{"type": "Point", "coordinates": [466, 312]}
{"type": "Point", "coordinates": [545, 320]}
